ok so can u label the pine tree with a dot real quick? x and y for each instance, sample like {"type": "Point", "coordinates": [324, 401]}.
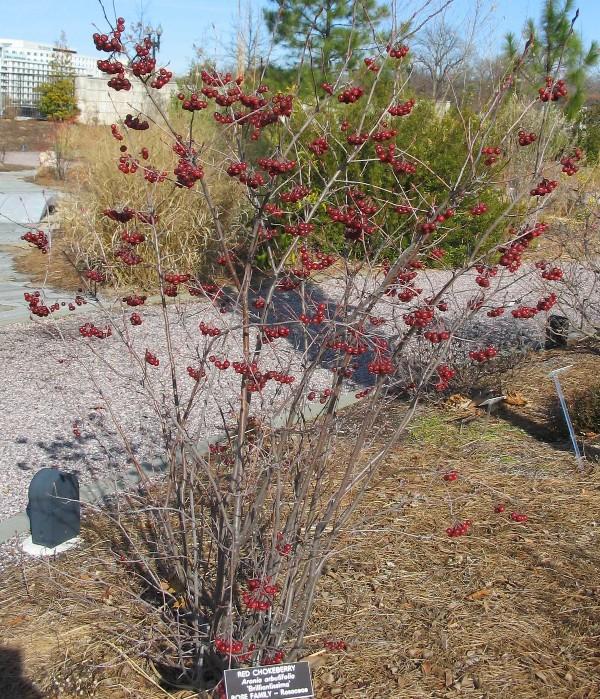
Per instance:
{"type": "Point", "coordinates": [558, 50]}
{"type": "Point", "coordinates": [57, 95]}
{"type": "Point", "coordinates": [331, 30]}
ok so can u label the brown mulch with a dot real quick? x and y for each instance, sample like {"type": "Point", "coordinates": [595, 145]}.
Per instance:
{"type": "Point", "coordinates": [509, 610]}
{"type": "Point", "coordinates": [541, 416]}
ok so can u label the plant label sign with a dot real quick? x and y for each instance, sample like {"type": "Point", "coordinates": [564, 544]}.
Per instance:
{"type": "Point", "coordinates": [270, 682]}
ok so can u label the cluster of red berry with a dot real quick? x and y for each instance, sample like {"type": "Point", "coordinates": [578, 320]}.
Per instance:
{"type": "Point", "coordinates": [351, 95]}
{"type": "Point", "coordinates": [276, 167]}
{"type": "Point", "coordinates": [436, 337]}
{"type": "Point", "coordinates": [397, 50]}
{"type": "Point", "coordinates": [381, 365]}
{"type": "Point", "coordinates": [136, 123]}
{"type": "Point", "coordinates": [117, 135]}
{"type": "Point", "coordinates": [135, 319]}
{"type": "Point", "coordinates": [552, 91]}
{"type": "Point", "coordinates": [363, 394]}
{"type": "Point", "coordinates": [478, 209]}
{"type": "Point", "coordinates": [554, 274]}
{"type": "Point", "coordinates": [484, 274]}
{"type": "Point", "coordinates": [108, 44]}
{"type": "Point", "coordinates": [193, 103]}
{"type": "Point", "coordinates": [196, 374]}
{"type": "Point", "coordinates": [127, 164]}
{"type": "Point", "coordinates": [445, 376]}
{"type": "Point", "coordinates": [151, 359]}
{"type": "Point", "coordinates": [160, 80]}
{"type": "Point", "coordinates": [496, 312]}
{"type": "Point", "coordinates": [95, 275]}
{"type": "Point", "coordinates": [545, 186]}
{"type": "Point", "coordinates": [518, 517]}
{"type": "Point", "coordinates": [402, 109]}
{"type": "Point", "coordinates": [209, 330]}
{"type": "Point", "coordinates": [317, 318]}
{"type": "Point", "coordinates": [319, 262]}
{"type": "Point", "coordinates": [110, 67]}
{"type": "Point", "coordinates": [187, 173]}
{"type": "Point", "coordinates": [451, 476]}
{"type": "Point", "coordinates": [134, 300]}
{"type": "Point", "coordinates": [211, 291]}
{"type": "Point", "coordinates": [357, 139]}
{"type": "Point", "coordinates": [524, 312]}
{"type": "Point", "coordinates": [312, 395]}
{"type": "Point", "coordinates": [372, 65]}
{"type": "Point", "coordinates": [319, 146]}
{"type": "Point", "coordinates": [37, 238]}
{"type": "Point", "coordinates": [36, 306]}
{"type": "Point", "coordinates": [119, 82]}
{"type": "Point", "coordinates": [568, 162]}
{"type": "Point", "coordinates": [143, 66]}
{"type": "Point", "coordinates": [234, 648]}
{"type": "Point", "coordinates": [128, 256]}
{"type": "Point", "coordinates": [526, 138]}
{"type": "Point", "coordinates": [300, 230]}
{"type": "Point", "coordinates": [511, 256]}
{"type": "Point", "coordinates": [333, 645]}
{"type": "Point", "coordinates": [90, 330]}
{"type": "Point", "coordinates": [154, 176]}
{"type": "Point", "coordinates": [260, 594]}
{"type": "Point", "coordinates": [271, 333]}
{"type": "Point", "coordinates": [460, 529]}
{"type": "Point", "coordinates": [419, 318]}
{"type": "Point", "coordinates": [547, 303]}
{"type": "Point", "coordinates": [403, 209]}
{"type": "Point", "coordinates": [295, 194]}
{"type": "Point", "coordinates": [483, 355]}
{"type": "Point", "coordinates": [354, 347]}
{"type": "Point", "coordinates": [122, 216]}
{"type": "Point", "coordinates": [384, 134]}
{"type": "Point", "coordinates": [274, 659]}
{"type": "Point", "coordinates": [492, 153]}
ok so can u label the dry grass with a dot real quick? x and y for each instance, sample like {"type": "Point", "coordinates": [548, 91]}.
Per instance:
{"type": "Point", "coordinates": [186, 230]}
{"type": "Point", "coordinates": [55, 270]}
{"type": "Point", "coordinates": [509, 610]}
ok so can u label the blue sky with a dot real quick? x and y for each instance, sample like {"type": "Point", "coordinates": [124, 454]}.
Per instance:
{"type": "Point", "coordinates": [209, 23]}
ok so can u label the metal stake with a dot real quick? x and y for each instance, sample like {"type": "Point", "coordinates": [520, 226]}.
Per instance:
{"type": "Point", "coordinates": [563, 405]}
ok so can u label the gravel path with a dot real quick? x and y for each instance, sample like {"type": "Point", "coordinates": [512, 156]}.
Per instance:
{"type": "Point", "coordinates": [53, 379]}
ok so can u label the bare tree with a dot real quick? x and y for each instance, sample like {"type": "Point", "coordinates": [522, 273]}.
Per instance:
{"type": "Point", "coordinates": [441, 52]}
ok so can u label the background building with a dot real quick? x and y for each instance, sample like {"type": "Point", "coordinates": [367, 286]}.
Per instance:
{"type": "Point", "coordinates": [25, 65]}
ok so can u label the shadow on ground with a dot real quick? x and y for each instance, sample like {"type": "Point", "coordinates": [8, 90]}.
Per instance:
{"type": "Point", "coordinates": [13, 683]}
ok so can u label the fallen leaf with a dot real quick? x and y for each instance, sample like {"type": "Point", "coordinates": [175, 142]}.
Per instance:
{"type": "Point", "coordinates": [16, 620]}
{"type": "Point", "coordinates": [480, 594]}
{"type": "Point", "coordinates": [426, 667]}
{"type": "Point", "coordinates": [516, 399]}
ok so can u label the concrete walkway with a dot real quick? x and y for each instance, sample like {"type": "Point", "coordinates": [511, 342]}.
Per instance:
{"type": "Point", "coordinates": [22, 206]}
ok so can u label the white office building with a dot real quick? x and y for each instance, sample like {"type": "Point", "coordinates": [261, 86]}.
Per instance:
{"type": "Point", "coordinates": [24, 65]}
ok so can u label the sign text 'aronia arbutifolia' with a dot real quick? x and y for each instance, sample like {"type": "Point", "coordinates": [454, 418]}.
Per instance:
{"type": "Point", "coordinates": [270, 682]}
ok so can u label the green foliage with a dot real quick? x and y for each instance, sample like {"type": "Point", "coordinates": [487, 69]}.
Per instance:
{"type": "Point", "coordinates": [57, 99]}
{"type": "Point", "coordinates": [330, 31]}
{"type": "Point", "coordinates": [588, 125]}
{"type": "Point", "coordinates": [57, 96]}
{"type": "Point", "coordinates": [557, 50]}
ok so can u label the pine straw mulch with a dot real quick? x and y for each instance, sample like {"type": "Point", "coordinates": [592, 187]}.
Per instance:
{"type": "Point", "coordinates": [541, 415]}
{"type": "Point", "coordinates": [508, 610]}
